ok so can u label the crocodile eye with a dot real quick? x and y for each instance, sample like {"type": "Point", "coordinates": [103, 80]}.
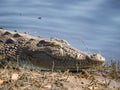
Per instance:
{"type": "Point", "coordinates": [43, 43]}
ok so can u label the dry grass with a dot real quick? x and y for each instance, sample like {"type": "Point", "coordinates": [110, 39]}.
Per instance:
{"type": "Point", "coordinates": [28, 79]}
{"type": "Point", "coordinates": [13, 76]}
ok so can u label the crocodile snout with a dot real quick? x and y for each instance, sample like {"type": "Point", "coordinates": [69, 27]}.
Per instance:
{"type": "Point", "coordinates": [97, 57]}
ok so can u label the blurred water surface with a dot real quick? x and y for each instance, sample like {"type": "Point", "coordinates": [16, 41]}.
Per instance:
{"type": "Point", "coordinates": [88, 25]}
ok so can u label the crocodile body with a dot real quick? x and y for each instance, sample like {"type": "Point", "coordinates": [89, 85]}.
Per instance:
{"type": "Point", "coordinates": [44, 52]}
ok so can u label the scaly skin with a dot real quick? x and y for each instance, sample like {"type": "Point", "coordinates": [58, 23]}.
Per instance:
{"type": "Point", "coordinates": [45, 53]}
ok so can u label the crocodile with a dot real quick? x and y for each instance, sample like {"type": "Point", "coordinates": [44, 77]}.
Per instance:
{"type": "Point", "coordinates": [46, 53]}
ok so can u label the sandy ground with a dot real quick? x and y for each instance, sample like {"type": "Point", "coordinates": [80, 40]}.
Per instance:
{"type": "Point", "coordinates": [15, 77]}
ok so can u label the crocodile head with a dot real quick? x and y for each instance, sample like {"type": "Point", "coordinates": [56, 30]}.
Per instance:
{"type": "Point", "coordinates": [98, 58]}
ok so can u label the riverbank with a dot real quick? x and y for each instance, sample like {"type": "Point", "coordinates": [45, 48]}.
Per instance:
{"type": "Point", "coordinates": [16, 77]}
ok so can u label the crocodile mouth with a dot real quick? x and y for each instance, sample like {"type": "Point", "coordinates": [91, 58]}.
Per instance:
{"type": "Point", "coordinates": [43, 59]}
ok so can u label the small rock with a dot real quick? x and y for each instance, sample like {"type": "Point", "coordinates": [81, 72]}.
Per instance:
{"type": "Point", "coordinates": [48, 86]}
{"type": "Point", "coordinates": [1, 82]}
{"type": "Point", "coordinates": [14, 76]}
{"type": "Point", "coordinates": [93, 88]}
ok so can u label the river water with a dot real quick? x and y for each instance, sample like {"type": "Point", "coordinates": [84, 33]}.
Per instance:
{"type": "Point", "coordinates": [92, 26]}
